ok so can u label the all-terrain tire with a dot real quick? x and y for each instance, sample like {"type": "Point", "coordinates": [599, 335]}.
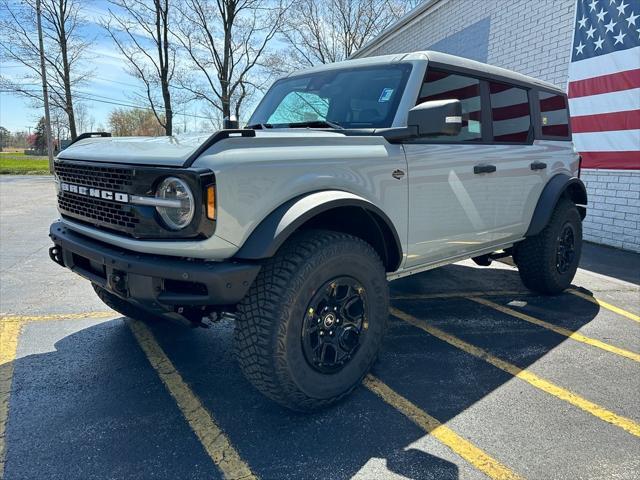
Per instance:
{"type": "Point", "coordinates": [122, 306]}
{"type": "Point", "coordinates": [268, 333]}
{"type": "Point", "coordinates": [537, 257]}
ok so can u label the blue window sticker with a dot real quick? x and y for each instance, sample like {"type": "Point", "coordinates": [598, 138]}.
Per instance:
{"type": "Point", "coordinates": [385, 96]}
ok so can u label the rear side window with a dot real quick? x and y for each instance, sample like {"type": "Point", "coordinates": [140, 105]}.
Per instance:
{"type": "Point", "coordinates": [510, 113]}
{"type": "Point", "coordinates": [554, 116]}
{"type": "Point", "coordinates": [440, 85]}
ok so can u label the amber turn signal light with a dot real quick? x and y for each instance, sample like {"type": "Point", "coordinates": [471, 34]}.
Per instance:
{"type": "Point", "coordinates": [211, 202]}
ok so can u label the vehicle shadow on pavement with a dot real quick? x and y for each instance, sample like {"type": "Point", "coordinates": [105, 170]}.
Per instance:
{"type": "Point", "coordinates": [94, 407]}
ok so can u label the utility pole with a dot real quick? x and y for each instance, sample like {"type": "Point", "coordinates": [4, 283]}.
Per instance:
{"type": "Point", "coordinates": [45, 90]}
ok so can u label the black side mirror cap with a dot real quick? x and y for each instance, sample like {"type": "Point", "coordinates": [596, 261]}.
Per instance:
{"type": "Point", "coordinates": [436, 117]}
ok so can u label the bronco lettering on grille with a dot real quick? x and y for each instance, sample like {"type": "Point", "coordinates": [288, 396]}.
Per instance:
{"type": "Point", "coordinates": [94, 192]}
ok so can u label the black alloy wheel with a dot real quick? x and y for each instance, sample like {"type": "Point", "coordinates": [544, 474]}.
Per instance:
{"type": "Point", "coordinates": [566, 248]}
{"type": "Point", "coordinates": [334, 324]}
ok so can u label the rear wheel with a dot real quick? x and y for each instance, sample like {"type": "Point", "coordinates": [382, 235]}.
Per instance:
{"type": "Point", "coordinates": [122, 306]}
{"type": "Point", "coordinates": [547, 262]}
{"type": "Point", "coordinates": [312, 324]}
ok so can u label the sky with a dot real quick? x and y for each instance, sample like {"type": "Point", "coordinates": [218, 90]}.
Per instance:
{"type": "Point", "coordinates": [111, 83]}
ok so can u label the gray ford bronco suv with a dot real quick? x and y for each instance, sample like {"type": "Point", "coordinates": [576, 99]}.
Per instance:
{"type": "Point", "coordinates": [346, 176]}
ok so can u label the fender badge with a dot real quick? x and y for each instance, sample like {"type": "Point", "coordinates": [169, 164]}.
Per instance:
{"type": "Point", "coordinates": [397, 174]}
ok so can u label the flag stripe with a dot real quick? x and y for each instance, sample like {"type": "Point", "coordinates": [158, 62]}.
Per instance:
{"type": "Point", "coordinates": [605, 102]}
{"type": "Point", "coordinates": [559, 130]}
{"type": "Point", "coordinates": [512, 111]}
{"type": "Point", "coordinates": [613, 160]}
{"type": "Point", "coordinates": [556, 102]}
{"type": "Point", "coordinates": [615, 140]}
{"type": "Point", "coordinates": [628, 120]}
{"type": "Point", "coordinates": [605, 64]}
{"type": "Point", "coordinates": [606, 83]}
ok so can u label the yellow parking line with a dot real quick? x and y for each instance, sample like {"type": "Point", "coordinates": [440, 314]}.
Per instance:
{"type": "Point", "coordinates": [578, 337]}
{"type": "Point", "coordinates": [58, 316]}
{"type": "Point", "coordinates": [603, 304]}
{"type": "Point", "coordinates": [465, 449]}
{"type": "Point", "coordinates": [9, 333]}
{"type": "Point", "coordinates": [531, 378]}
{"type": "Point", "coordinates": [428, 296]}
{"type": "Point", "coordinates": [213, 439]}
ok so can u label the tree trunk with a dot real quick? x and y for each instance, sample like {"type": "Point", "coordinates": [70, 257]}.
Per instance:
{"type": "Point", "coordinates": [224, 73]}
{"type": "Point", "coordinates": [162, 29]}
{"type": "Point", "coordinates": [68, 98]}
{"type": "Point", "coordinates": [168, 113]}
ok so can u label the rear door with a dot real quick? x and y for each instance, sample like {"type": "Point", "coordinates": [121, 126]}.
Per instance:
{"type": "Point", "coordinates": [520, 172]}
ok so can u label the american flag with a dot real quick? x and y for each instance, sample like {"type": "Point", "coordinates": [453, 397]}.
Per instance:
{"type": "Point", "coordinates": [604, 83]}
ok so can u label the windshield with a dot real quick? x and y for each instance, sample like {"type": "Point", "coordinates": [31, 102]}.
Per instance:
{"type": "Point", "coordinates": [365, 97]}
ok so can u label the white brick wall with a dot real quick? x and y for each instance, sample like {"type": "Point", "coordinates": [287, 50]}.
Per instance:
{"type": "Point", "coordinates": [613, 214]}
{"type": "Point", "coordinates": [531, 37]}
{"type": "Point", "coordinates": [534, 38]}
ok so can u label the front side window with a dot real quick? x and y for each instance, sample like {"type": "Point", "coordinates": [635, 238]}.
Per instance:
{"type": "Point", "coordinates": [554, 116]}
{"type": "Point", "coordinates": [440, 85]}
{"type": "Point", "coordinates": [510, 113]}
{"type": "Point", "coordinates": [365, 97]}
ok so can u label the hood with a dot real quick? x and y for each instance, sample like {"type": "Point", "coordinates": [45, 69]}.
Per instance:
{"type": "Point", "coordinates": [165, 151]}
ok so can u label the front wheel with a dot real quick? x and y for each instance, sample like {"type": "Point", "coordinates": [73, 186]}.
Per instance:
{"type": "Point", "coordinates": [547, 262]}
{"type": "Point", "coordinates": [312, 324]}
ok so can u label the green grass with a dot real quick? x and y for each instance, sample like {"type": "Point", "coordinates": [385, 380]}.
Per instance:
{"type": "Point", "coordinates": [17, 163]}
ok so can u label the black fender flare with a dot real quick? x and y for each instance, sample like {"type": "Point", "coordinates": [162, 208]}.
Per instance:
{"type": "Point", "coordinates": [553, 190]}
{"type": "Point", "coordinates": [265, 240]}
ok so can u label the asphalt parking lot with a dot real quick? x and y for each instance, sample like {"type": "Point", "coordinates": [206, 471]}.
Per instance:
{"type": "Point", "coordinates": [477, 378]}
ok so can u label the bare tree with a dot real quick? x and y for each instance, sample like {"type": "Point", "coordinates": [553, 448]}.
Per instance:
{"type": "Point", "coordinates": [60, 127]}
{"type": "Point", "coordinates": [327, 31]}
{"type": "Point", "coordinates": [141, 31]}
{"type": "Point", "coordinates": [227, 43]}
{"type": "Point", "coordinates": [64, 50]}
{"type": "Point", "coordinates": [82, 117]}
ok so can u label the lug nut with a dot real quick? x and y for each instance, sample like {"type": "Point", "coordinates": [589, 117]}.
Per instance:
{"type": "Point", "coordinates": [321, 333]}
{"type": "Point", "coordinates": [331, 332]}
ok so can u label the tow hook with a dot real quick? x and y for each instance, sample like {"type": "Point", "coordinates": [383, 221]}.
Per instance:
{"type": "Point", "coordinates": [118, 283]}
{"type": "Point", "coordinates": [55, 254]}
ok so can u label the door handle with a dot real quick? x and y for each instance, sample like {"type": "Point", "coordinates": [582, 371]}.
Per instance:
{"type": "Point", "coordinates": [538, 166]}
{"type": "Point", "coordinates": [484, 169]}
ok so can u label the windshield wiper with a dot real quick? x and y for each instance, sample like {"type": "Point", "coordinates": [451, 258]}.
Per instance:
{"type": "Point", "coordinates": [310, 124]}
{"type": "Point", "coordinates": [317, 124]}
{"type": "Point", "coordinates": [261, 126]}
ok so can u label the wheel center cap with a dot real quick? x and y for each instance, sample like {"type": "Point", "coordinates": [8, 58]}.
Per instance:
{"type": "Point", "coordinates": [328, 320]}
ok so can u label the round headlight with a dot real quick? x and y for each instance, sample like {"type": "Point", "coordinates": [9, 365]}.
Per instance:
{"type": "Point", "coordinates": [179, 206]}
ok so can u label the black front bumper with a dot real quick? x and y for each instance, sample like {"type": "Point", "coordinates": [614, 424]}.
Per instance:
{"type": "Point", "coordinates": [156, 282]}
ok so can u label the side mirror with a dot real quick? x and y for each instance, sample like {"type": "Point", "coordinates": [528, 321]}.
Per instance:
{"type": "Point", "coordinates": [437, 117]}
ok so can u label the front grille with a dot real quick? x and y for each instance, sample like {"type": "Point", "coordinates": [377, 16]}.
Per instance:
{"type": "Point", "coordinates": [97, 210]}
{"type": "Point", "coordinates": [84, 184]}
{"type": "Point", "coordinates": [118, 217]}
{"type": "Point", "coordinates": [110, 178]}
